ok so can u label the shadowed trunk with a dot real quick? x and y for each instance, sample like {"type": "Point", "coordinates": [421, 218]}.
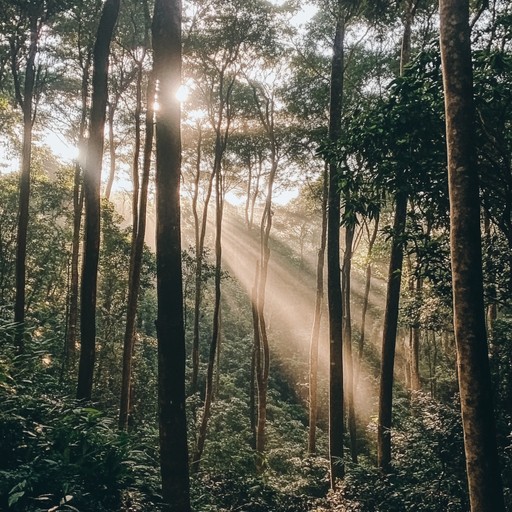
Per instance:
{"type": "Point", "coordinates": [347, 339]}
{"type": "Point", "coordinates": [92, 181]}
{"type": "Point", "coordinates": [166, 30]}
{"type": "Point", "coordinates": [393, 288]}
{"type": "Point", "coordinates": [336, 405]}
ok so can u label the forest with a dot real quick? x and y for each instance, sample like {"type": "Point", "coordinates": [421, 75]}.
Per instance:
{"type": "Point", "coordinates": [256, 255]}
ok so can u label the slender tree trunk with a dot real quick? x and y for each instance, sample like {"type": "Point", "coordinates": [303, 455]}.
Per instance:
{"type": "Point", "coordinates": [92, 181]}
{"type": "Point", "coordinates": [484, 480]}
{"type": "Point", "coordinates": [315, 333]}
{"type": "Point", "coordinates": [26, 103]}
{"type": "Point", "coordinates": [166, 30]}
{"type": "Point", "coordinates": [366, 297]}
{"type": "Point", "coordinates": [492, 308]}
{"type": "Point", "coordinates": [415, 348]}
{"type": "Point", "coordinates": [266, 109]}
{"type": "Point", "coordinates": [347, 341]}
{"type": "Point", "coordinates": [112, 106]}
{"type": "Point", "coordinates": [138, 236]}
{"type": "Point", "coordinates": [336, 405]}
{"type": "Point", "coordinates": [256, 192]}
{"type": "Point", "coordinates": [252, 384]}
{"type": "Point", "coordinates": [219, 352]}
{"type": "Point", "coordinates": [389, 337]}
{"type": "Point", "coordinates": [248, 197]}
{"type": "Point", "coordinates": [219, 207]}
{"type": "Point", "coordinates": [263, 356]}
{"type": "Point", "coordinates": [78, 204]}
{"type": "Point", "coordinates": [393, 290]}
{"type": "Point", "coordinates": [200, 234]}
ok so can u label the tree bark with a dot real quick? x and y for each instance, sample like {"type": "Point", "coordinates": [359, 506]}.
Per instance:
{"type": "Point", "coordinates": [92, 181]}
{"type": "Point", "coordinates": [315, 333]}
{"type": "Point", "coordinates": [336, 405]}
{"type": "Point", "coordinates": [484, 480]}
{"type": "Point", "coordinates": [166, 30]}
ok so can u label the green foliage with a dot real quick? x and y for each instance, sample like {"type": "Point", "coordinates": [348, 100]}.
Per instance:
{"type": "Point", "coordinates": [47, 249]}
{"type": "Point", "coordinates": [428, 468]}
{"type": "Point", "coordinates": [58, 454]}
{"type": "Point", "coordinates": [501, 369]}
{"type": "Point", "coordinates": [232, 492]}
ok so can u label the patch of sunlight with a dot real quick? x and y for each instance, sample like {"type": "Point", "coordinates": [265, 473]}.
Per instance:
{"type": "Point", "coordinates": [290, 302]}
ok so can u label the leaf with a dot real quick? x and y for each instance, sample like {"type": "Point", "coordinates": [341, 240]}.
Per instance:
{"type": "Point", "coordinates": [15, 497]}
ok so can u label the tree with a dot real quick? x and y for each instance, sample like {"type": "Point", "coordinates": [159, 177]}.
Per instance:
{"type": "Point", "coordinates": [138, 235]}
{"type": "Point", "coordinates": [393, 288]}
{"type": "Point", "coordinates": [315, 332]}
{"type": "Point", "coordinates": [166, 31]}
{"type": "Point", "coordinates": [139, 210]}
{"type": "Point", "coordinates": [265, 102]}
{"type": "Point", "coordinates": [80, 32]}
{"type": "Point", "coordinates": [233, 27]}
{"type": "Point", "coordinates": [336, 404]}
{"type": "Point", "coordinates": [26, 22]}
{"type": "Point", "coordinates": [92, 181]}
{"type": "Point", "coordinates": [485, 487]}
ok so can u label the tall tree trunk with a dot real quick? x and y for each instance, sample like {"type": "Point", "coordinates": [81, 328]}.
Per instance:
{"type": "Point", "coordinates": [315, 332]}
{"type": "Point", "coordinates": [336, 405]}
{"type": "Point", "coordinates": [92, 181]}
{"type": "Point", "coordinates": [266, 110]}
{"type": "Point", "coordinates": [200, 234]}
{"type": "Point", "coordinates": [78, 204]}
{"type": "Point", "coordinates": [25, 100]}
{"type": "Point", "coordinates": [485, 487]}
{"type": "Point", "coordinates": [166, 30]}
{"type": "Point", "coordinates": [347, 340]}
{"type": "Point", "coordinates": [138, 236]}
{"type": "Point", "coordinates": [263, 347]}
{"type": "Point", "coordinates": [389, 336]}
{"type": "Point", "coordinates": [221, 127]}
{"type": "Point", "coordinates": [393, 290]}
{"type": "Point", "coordinates": [219, 207]}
